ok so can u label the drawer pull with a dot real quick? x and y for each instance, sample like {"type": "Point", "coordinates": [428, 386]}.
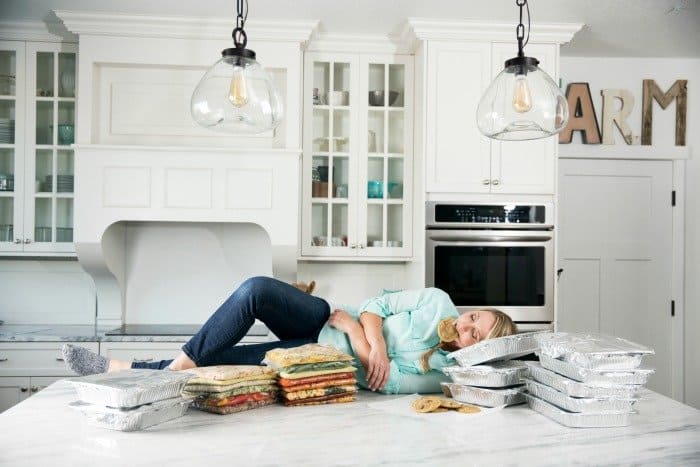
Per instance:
{"type": "Point", "coordinates": [142, 360]}
{"type": "Point", "coordinates": [35, 389]}
{"type": "Point", "coordinates": [24, 389]}
{"type": "Point", "coordinates": [59, 359]}
{"type": "Point", "coordinates": [3, 359]}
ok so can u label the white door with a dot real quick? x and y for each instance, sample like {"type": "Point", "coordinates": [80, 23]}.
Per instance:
{"type": "Point", "coordinates": [615, 248]}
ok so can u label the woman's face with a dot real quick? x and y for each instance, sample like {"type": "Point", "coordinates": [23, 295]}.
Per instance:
{"type": "Point", "coordinates": [473, 326]}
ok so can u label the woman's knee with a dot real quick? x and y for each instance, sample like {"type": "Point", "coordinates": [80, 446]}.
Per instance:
{"type": "Point", "coordinates": [257, 286]}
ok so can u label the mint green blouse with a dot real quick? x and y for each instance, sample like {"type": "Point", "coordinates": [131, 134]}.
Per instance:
{"type": "Point", "coordinates": [410, 323]}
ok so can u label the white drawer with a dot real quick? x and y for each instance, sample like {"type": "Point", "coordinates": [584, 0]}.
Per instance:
{"type": "Point", "coordinates": [36, 358]}
{"type": "Point", "coordinates": [144, 351]}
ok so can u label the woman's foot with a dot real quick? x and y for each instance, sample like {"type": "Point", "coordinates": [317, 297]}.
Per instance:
{"type": "Point", "coordinates": [83, 361]}
{"type": "Point", "coordinates": [181, 362]}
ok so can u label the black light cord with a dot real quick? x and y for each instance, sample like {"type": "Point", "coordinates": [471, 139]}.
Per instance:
{"type": "Point", "coordinates": [520, 29]}
{"type": "Point", "coordinates": [240, 38]}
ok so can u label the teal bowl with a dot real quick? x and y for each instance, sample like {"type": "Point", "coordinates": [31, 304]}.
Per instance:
{"type": "Point", "coordinates": [66, 134]}
{"type": "Point", "coordinates": [375, 189]}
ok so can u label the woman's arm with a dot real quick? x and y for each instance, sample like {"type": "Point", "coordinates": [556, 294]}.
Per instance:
{"type": "Point", "coordinates": [378, 368]}
{"type": "Point", "coordinates": [342, 321]}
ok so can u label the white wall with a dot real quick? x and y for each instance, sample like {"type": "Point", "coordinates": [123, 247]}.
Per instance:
{"type": "Point", "coordinates": [628, 73]}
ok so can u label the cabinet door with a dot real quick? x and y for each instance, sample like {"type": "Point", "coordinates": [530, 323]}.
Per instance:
{"type": "Point", "coordinates": [386, 156]}
{"type": "Point", "coordinates": [37, 383]}
{"type": "Point", "coordinates": [12, 78]}
{"type": "Point", "coordinates": [49, 166]}
{"type": "Point", "coordinates": [13, 391]}
{"type": "Point", "coordinates": [524, 166]}
{"type": "Point", "coordinates": [330, 190]}
{"type": "Point", "coordinates": [457, 154]}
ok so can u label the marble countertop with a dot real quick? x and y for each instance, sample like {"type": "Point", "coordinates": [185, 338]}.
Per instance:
{"type": "Point", "coordinates": [42, 431]}
{"type": "Point", "coordinates": [72, 333]}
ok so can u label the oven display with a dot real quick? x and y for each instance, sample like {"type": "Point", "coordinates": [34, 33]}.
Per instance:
{"type": "Point", "coordinates": [489, 214]}
{"type": "Point", "coordinates": [491, 275]}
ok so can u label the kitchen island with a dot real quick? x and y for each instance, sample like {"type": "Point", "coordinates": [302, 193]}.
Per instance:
{"type": "Point", "coordinates": [44, 431]}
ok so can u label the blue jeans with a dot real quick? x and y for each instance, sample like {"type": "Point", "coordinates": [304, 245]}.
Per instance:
{"type": "Point", "coordinates": [294, 316]}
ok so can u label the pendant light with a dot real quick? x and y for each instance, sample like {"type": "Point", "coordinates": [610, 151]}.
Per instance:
{"type": "Point", "coordinates": [236, 95]}
{"type": "Point", "coordinates": [523, 102]}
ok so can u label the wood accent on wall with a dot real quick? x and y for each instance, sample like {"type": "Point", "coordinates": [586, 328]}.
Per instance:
{"type": "Point", "coordinates": [618, 117]}
{"type": "Point", "coordinates": [678, 91]}
{"type": "Point", "coordinates": [582, 115]}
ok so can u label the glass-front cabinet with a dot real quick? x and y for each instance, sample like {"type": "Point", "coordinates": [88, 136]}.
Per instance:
{"type": "Point", "coordinates": [357, 167]}
{"type": "Point", "coordinates": [37, 128]}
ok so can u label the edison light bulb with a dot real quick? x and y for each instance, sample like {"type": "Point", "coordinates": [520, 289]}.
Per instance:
{"type": "Point", "coordinates": [238, 91]}
{"type": "Point", "coordinates": [522, 100]}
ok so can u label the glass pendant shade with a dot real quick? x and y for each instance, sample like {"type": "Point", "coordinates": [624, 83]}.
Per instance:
{"type": "Point", "coordinates": [522, 103]}
{"type": "Point", "coordinates": [236, 95]}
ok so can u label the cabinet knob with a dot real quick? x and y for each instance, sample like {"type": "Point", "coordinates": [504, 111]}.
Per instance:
{"type": "Point", "coordinates": [24, 389]}
{"type": "Point", "coordinates": [362, 246]}
{"type": "Point", "coordinates": [495, 182]}
{"type": "Point", "coordinates": [27, 240]}
{"type": "Point", "coordinates": [486, 181]}
{"type": "Point", "coordinates": [35, 389]}
{"type": "Point", "coordinates": [18, 240]}
{"type": "Point", "coordinates": [353, 246]}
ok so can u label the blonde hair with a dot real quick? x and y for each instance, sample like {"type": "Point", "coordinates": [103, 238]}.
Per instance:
{"type": "Point", "coordinates": [503, 326]}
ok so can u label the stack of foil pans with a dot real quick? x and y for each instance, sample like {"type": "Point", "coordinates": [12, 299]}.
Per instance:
{"type": "Point", "coordinates": [131, 399]}
{"type": "Point", "coordinates": [492, 375]}
{"type": "Point", "coordinates": [587, 380]}
{"type": "Point", "coordinates": [500, 348]}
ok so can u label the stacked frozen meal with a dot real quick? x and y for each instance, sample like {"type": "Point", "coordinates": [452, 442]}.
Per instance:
{"type": "Point", "coordinates": [226, 389]}
{"type": "Point", "coordinates": [587, 379]}
{"type": "Point", "coordinates": [487, 375]}
{"type": "Point", "coordinates": [313, 374]}
{"type": "Point", "coordinates": [131, 400]}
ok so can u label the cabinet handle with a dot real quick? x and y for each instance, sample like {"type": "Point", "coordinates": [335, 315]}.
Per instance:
{"type": "Point", "coordinates": [3, 359]}
{"type": "Point", "coordinates": [59, 359]}
{"type": "Point", "coordinates": [495, 182]}
{"type": "Point", "coordinates": [24, 389]}
{"type": "Point", "coordinates": [486, 181]}
{"type": "Point", "coordinates": [27, 240]}
{"type": "Point", "coordinates": [142, 360]}
{"type": "Point", "coordinates": [362, 246]}
{"type": "Point", "coordinates": [353, 246]}
{"type": "Point", "coordinates": [35, 389]}
{"type": "Point", "coordinates": [18, 240]}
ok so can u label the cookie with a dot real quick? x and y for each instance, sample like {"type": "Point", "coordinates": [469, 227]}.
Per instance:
{"type": "Point", "coordinates": [449, 403]}
{"type": "Point", "coordinates": [440, 409]}
{"type": "Point", "coordinates": [425, 404]}
{"type": "Point", "coordinates": [468, 409]}
{"type": "Point", "coordinates": [447, 331]}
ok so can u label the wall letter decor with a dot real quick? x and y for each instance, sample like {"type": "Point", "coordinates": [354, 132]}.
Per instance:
{"type": "Point", "coordinates": [678, 91]}
{"type": "Point", "coordinates": [619, 117]}
{"type": "Point", "coordinates": [582, 115]}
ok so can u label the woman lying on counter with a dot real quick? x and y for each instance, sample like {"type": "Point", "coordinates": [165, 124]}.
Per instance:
{"type": "Point", "coordinates": [394, 336]}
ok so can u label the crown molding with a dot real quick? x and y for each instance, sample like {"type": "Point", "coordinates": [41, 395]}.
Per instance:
{"type": "Point", "coordinates": [181, 27]}
{"type": "Point", "coordinates": [420, 29]}
{"type": "Point", "coordinates": [26, 30]}
{"type": "Point", "coordinates": [352, 43]}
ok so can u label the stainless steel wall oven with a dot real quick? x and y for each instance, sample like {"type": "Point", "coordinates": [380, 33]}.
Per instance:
{"type": "Point", "coordinates": [494, 255]}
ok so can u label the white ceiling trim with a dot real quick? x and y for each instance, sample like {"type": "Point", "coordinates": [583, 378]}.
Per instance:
{"type": "Point", "coordinates": [180, 27]}
{"type": "Point", "coordinates": [469, 30]}
{"type": "Point", "coordinates": [30, 30]}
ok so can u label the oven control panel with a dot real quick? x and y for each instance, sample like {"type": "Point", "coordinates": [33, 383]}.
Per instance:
{"type": "Point", "coordinates": [446, 214]}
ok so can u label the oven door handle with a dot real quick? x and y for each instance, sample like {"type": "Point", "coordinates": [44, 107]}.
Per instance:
{"type": "Point", "coordinates": [476, 237]}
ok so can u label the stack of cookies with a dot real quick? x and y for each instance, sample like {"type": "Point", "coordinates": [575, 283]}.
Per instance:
{"type": "Point", "coordinates": [313, 374]}
{"type": "Point", "coordinates": [434, 404]}
{"type": "Point", "coordinates": [226, 389]}
{"type": "Point", "coordinates": [587, 379]}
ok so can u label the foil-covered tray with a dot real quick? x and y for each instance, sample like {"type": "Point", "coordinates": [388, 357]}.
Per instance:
{"type": "Point", "coordinates": [133, 419]}
{"type": "Point", "coordinates": [574, 388]}
{"type": "Point", "coordinates": [483, 396]}
{"type": "Point", "coordinates": [577, 420]}
{"type": "Point", "coordinates": [578, 404]}
{"type": "Point", "coordinates": [499, 348]}
{"type": "Point", "coordinates": [593, 350]}
{"type": "Point", "coordinates": [492, 375]}
{"type": "Point", "coordinates": [596, 377]}
{"type": "Point", "coordinates": [130, 388]}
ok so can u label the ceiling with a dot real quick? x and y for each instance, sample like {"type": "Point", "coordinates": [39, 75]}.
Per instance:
{"type": "Point", "coordinates": [615, 28]}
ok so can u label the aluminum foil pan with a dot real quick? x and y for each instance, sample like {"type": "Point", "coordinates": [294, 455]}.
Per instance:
{"type": "Point", "coordinates": [577, 389]}
{"type": "Point", "coordinates": [130, 388]}
{"type": "Point", "coordinates": [499, 348]}
{"type": "Point", "coordinates": [493, 375]}
{"type": "Point", "coordinates": [593, 351]}
{"type": "Point", "coordinates": [133, 419]}
{"type": "Point", "coordinates": [578, 404]}
{"type": "Point", "coordinates": [577, 420]}
{"type": "Point", "coordinates": [596, 377]}
{"type": "Point", "coordinates": [483, 396]}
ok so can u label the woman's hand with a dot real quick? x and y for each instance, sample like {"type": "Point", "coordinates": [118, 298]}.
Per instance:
{"type": "Point", "coordinates": [378, 368]}
{"type": "Point", "coordinates": [342, 321]}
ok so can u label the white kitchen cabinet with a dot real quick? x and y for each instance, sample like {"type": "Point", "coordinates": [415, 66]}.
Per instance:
{"type": "Point", "coordinates": [358, 156]}
{"type": "Point", "coordinates": [37, 126]}
{"type": "Point", "coordinates": [459, 159]}
{"type": "Point", "coordinates": [13, 391]}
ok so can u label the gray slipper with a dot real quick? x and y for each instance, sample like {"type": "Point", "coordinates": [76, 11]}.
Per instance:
{"type": "Point", "coordinates": [83, 361]}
